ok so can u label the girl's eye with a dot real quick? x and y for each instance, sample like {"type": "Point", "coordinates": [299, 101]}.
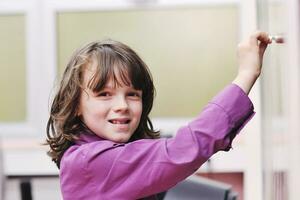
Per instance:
{"type": "Point", "coordinates": [104, 94]}
{"type": "Point", "coordinates": [134, 94]}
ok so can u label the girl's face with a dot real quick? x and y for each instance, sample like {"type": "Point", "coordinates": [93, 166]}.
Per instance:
{"type": "Point", "coordinates": [114, 113]}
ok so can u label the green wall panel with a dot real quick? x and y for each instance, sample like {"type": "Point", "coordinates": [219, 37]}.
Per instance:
{"type": "Point", "coordinates": [190, 51]}
{"type": "Point", "coordinates": [12, 67]}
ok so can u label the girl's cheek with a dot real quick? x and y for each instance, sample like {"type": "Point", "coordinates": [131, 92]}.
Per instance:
{"type": "Point", "coordinates": [140, 106]}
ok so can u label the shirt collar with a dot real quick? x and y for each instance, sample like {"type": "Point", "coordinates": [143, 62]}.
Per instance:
{"type": "Point", "coordinates": [87, 137]}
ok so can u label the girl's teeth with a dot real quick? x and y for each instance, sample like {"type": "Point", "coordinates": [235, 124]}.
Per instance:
{"type": "Point", "coordinates": [117, 122]}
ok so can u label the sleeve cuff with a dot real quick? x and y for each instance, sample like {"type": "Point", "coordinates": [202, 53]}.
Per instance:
{"type": "Point", "coordinates": [235, 103]}
{"type": "Point", "coordinates": [239, 108]}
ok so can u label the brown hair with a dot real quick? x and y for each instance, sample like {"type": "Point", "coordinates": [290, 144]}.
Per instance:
{"type": "Point", "coordinates": [64, 125]}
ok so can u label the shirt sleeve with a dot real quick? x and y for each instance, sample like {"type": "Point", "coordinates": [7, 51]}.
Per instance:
{"type": "Point", "coordinates": [145, 167]}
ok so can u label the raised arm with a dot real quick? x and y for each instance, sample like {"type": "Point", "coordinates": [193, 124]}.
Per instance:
{"type": "Point", "coordinates": [250, 57]}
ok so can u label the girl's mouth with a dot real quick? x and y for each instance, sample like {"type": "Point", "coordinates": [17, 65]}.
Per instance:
{"type": "Point", "coordinates": [119, 121]}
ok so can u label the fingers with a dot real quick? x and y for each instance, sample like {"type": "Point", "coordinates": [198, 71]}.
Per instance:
{"type": "Point", "coordinates": [262, 48]}
{"type": "Point", "coordinates": [260, 39]}
{"type": "Point", "coordinates": [260, 36]}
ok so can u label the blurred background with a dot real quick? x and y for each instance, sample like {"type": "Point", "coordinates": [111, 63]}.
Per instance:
{"type": "Point", "coordinates": [190, 48]}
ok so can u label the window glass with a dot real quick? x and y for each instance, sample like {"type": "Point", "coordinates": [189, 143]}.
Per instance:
{"type": "Point", "coordinates": [12, 66]}
{"type": "Point", "coordinates": [190, 51]}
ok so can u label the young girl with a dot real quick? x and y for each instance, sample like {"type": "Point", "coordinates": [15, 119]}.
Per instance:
{"type": "Point", "coordinates": [101, 137]}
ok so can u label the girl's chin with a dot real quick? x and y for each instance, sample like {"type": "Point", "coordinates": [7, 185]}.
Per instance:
{"type": "Point", "coordinates": [121, 137]}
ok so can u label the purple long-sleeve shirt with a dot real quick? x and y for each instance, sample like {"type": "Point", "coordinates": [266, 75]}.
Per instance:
{"type": "Point", "coordinates": [95, 168]}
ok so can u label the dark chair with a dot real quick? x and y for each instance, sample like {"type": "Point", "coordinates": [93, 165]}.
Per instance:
{"type": "Point", "coordinates": [233, 196]}
{"type": "Point", "coordinates": [199, 188]}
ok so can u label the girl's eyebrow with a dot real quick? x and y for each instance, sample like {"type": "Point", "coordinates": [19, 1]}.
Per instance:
{"type": "Point", "coordinates": [108, 87]}
{"type": "Point", "coordinates": [112, 87]}
{"type": "Point", "coordinates": [132, 88]}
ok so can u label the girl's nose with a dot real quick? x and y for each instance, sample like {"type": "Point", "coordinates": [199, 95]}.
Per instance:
{"type": "Point", "coordinates": [120, 104]}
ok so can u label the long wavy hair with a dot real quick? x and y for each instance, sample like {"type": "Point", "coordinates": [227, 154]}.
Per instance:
{"type": "Point", "coordinates": [64, 125]}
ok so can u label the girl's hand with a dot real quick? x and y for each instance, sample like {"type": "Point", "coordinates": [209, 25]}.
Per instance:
{"type": "Point", "coordinates": [250, 57]}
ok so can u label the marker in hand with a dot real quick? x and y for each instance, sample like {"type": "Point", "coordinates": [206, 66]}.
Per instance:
{"type": "Point", "coordinates": [277, 38]}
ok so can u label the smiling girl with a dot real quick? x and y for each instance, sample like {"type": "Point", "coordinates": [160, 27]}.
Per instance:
{"type": "Point", "coordinates": [102, 139]}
